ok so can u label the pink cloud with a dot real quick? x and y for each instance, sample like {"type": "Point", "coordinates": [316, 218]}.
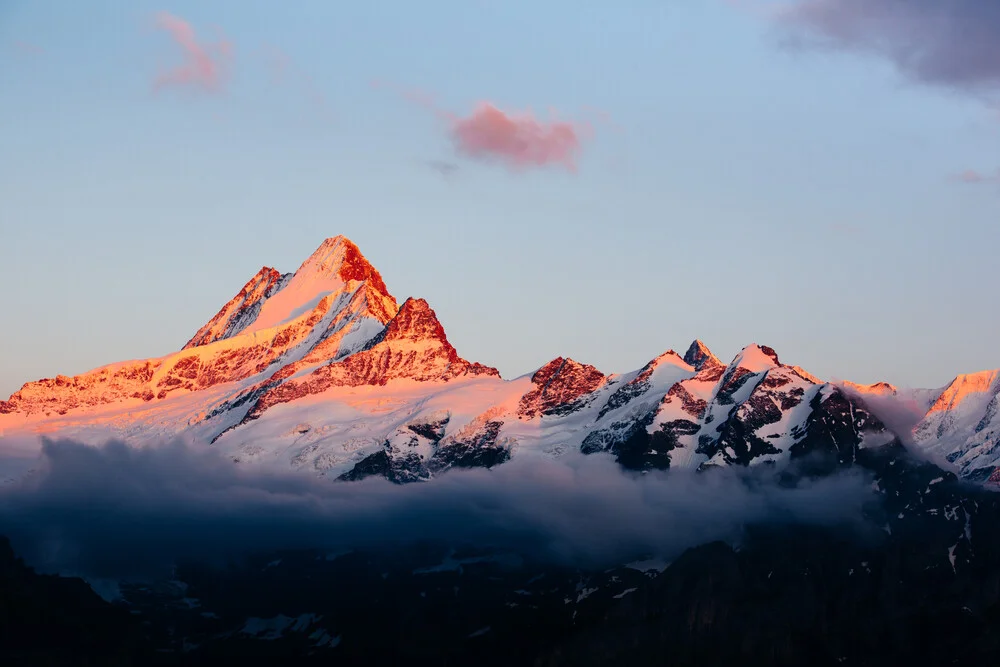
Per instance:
{"type": "Point", "coordinates": [278, 62]}
{"type": "Point", "coordinates": [204, 64]}
{"type": "Point", "coordinates": [973, 177]}
{"type": "Point", "coordinates": [27, 48]}
{"type": "Point", "coordinates": [516, 139]}
{"type": "Point", "coordinates": [421, 98]}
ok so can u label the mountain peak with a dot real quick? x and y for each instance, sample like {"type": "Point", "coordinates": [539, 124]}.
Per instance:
{"type": "Point", "coordinates": [335, 267]}
{"type": "Point", "coordinates": [878, 388]}
{"type": "Point", "coordinates": [982, 385]}
{"type": "Point", "coordinates": [560, 387]}
{"type": "Point", "coordinates": [756, 358]}
{"type": "Point", "coordinates": [241, 311]}
{"type": "Point", "coordinates": [415, 321]}
{"type": "Point", "coordinates": [340, 256]}
{"type": "Point", "coordinates": [416, 326]}
{"type": "Point", "coordinates": [698, 356]}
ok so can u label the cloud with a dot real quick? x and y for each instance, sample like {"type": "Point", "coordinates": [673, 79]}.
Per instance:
{"type": "Point", "coordinates": [283, 70]}
{"type": "Point", "coordinates": [516, 139]}
{"type": "Point", "coordinates": [973, 177]}
{"type": "Point", "coordinates": [204, 66]}
{"type": "Point", "coordinates": [951, 43]}
{"type": "Point", "coordinates": [116, 511]}
{"type": "Point", "coordinates": [443, 167]}
{"type": "Point", "coordinates": [899, 413]}
{"type": "Point", "coordinates": [416, 96]}
{"type": "Point", "coordinates": [27, 49]}
{"type": "Point", "coordinates": [278, 63]}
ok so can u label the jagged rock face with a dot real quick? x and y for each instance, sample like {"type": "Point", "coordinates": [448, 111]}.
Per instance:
{"type": "Point", "coordinates": [638, 385]}
{"type": "Point", "coordinates": [412, 346]}
{"type": "Point", "coordinates": [561, 387]}
{"type": "Point", "coordinates": [405, 455]}
{"type": "Point", "coordinates": [751, 429]}
{"type": "Point", "coordinates": [420, 449]}
{"type": "Point", "coordinates": [626, 420]}
{"type": "Point", "coordinates": [478, 444]}
{"type": "Point", "coordinates": [837, 430]}
{"type": "Point", "coordinates": [61, 394]}
{"type": "Point", "coordinates": [242, 309]}
{"type": "Point", "coordinates": [755, 410]}
{"type": "Point", "coordinates": [633, 446]}
{"type": "Point", "coordinates": [699, 356]}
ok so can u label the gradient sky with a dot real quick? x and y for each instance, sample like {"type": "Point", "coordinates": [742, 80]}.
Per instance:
{"type": "Point", "coordinates": [732, 173]}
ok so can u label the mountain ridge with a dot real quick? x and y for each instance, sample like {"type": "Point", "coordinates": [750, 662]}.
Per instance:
{"type": "Point", "coordinates": [331, 334]}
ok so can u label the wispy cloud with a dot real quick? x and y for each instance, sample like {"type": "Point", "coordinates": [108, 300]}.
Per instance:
{"type": "Point", "coordinates": [443, 167]}
{"type": "Point", "coordinates": [951, 43]}
{"type": "Point", "coordinates": [278, 63]}
{"type": "Point", "coordinates": [973, 177]}
{"type": "Point", "coordinates": [204, 64]}
{"type": "Point", "coordinates": [284, 70]}
{"type": "Point", "coordinates": [27, 49]}
{"type": "Point", "coordinates": [416, 96]}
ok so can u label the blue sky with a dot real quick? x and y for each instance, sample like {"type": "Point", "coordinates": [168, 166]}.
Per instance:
{"type": "Point", "coordinates": [744, 191]}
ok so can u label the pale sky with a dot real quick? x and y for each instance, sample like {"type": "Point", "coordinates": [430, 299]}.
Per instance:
{"type": "Point", "coordinates": [711, 169]}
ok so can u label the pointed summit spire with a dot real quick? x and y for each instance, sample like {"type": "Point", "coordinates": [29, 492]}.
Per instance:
{"type": "Point", "coordinates": [699, 356]}
{"type": "Point", "coordinates": [339, 256]}
{"type": "Point", "coordinates": [335, 267]}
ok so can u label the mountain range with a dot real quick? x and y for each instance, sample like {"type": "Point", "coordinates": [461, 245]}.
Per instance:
{"type": "Point", "coordinates": [323, 370]}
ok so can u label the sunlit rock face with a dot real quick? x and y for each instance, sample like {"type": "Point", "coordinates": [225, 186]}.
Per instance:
{"type": "Point", "coordinates": [241, 311]}
{"type": "Point", "coordinates": [560, 387]}
{"type": "Point", "coordinates": [413, 346]}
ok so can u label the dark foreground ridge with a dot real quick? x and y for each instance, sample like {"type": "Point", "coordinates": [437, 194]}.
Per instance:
{"type": "Point", "coordinates": [51, 620]}
{"type": "Point", "coordinates": [915, 584]}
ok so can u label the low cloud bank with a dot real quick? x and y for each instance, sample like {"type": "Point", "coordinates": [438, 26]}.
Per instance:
{"type": "Point", "coordinates": [117, 511]}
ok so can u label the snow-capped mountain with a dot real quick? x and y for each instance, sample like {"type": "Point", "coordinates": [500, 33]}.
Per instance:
{"type": "Point", "coordinates": [322, 370]}
{"type": "Point", "coordinates": [962, 425]}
